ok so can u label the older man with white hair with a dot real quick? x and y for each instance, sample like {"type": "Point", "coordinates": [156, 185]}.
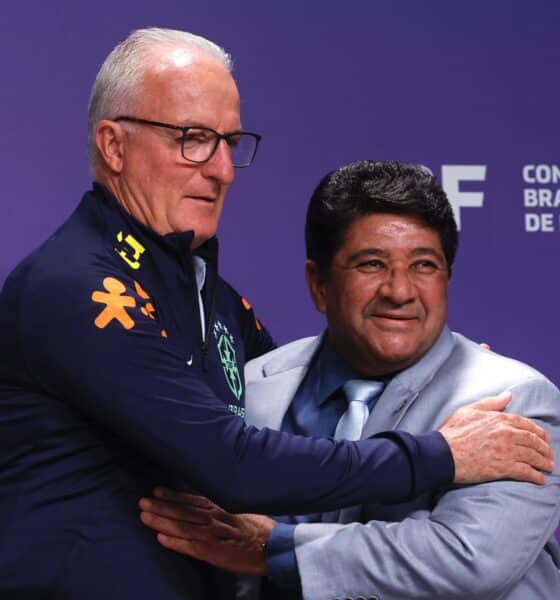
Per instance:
{"type": "Point", "coordinates": [122, 352]}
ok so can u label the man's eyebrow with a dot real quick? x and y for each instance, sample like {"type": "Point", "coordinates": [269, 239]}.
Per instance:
{"type": "Point", "coordinates": [366, 252]}
{"type": "Point", "coordinates": [428, 250]}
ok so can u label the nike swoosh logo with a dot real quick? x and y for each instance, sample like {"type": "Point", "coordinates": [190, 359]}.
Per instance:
{"type": "Point", "coordinates": [189, 362]}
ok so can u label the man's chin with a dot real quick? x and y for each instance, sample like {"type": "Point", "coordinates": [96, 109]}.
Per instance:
{"type": "Point", "coordinates": [203, 231]}
{"type": "Point", "coordinates": [200, 237]}
{"type": "Point", "coordinates": [394, 356]}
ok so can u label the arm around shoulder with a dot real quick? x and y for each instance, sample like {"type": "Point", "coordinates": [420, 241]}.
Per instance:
{"type": "Point", "coordinates": [478, 541]}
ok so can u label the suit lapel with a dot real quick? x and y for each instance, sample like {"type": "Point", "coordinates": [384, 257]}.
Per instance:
{"type": "Point", "coordinates": [269, 395]}
{"type": "Point", "coordinates": [389, 410]}
{"type": "Point", "coordinates": [267, 399]}
{"type": "Point", "coordinates": [403, 390]}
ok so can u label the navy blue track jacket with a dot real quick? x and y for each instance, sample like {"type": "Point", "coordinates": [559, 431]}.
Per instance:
{"type": "Point", "coordinates": [107, 389]}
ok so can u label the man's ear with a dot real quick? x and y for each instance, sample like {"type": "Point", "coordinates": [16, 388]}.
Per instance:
{"type": "Point", "coordinates": [317, 285]}
{"type": "Point", "coordinates": [109, 139]}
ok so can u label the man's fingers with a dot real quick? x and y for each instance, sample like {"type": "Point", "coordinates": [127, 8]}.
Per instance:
{"type": "Point", "coordinates": [531, 457]}
{"type": "Point", "coordinates": [498, 402]}
{"type": "Point", "coordinates": [525, 424]}
{"type": "Point", "coordinates": [172, 527]}
{"type": "Point", "coordinates": [191, 531]}
{"type": "Point", "coordinates": [489, 445]}
{"type": "Point", "coordinates": [523, 472]}
{"type": "Point", "coordinates": [531, 440]}
{"type": "Point", "coordinates": [182, 497]}
{"type": "Point", "coordinates": [175, 511]}
{"type": "Point", "coordinates": [180, 545]}
{"type": "Point", "coordinates": [188, 507]}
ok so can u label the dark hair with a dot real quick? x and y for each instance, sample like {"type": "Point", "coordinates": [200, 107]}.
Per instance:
{"type": "Point", "coordinates": [365, 187]}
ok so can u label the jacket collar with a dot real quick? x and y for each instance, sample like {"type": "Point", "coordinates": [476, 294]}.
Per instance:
{"type": "Point", "coordinates": [405, 388]}
{"type": "Point", "coordinates": [413, 379]}
{"type": "Point", "coordinates": [287, 366]}
{"type": "Point", "coordinates": [178, 244]}
{"type": "Point", "coordinates": [297, 354]}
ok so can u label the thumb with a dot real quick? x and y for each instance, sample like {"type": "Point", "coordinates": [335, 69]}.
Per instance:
{"type": "Point", "coordinates": [498, 402]}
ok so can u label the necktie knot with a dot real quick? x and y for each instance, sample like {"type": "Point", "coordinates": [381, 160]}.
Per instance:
{"type": "Point", "coordinates": [358, 393]}
{"type": "Point", "coordinates": [362, 390]}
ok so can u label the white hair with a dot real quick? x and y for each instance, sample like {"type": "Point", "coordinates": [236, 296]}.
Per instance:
{"type": "Point", "coordinates": [115, 89]}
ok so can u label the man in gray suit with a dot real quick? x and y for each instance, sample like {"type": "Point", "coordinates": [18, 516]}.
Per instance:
{"type": "Point", "coordinates": [381, 241]}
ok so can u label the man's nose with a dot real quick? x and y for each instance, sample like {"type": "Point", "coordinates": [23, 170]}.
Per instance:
{"type": "Point", "coordinates": [398, 286]}
{"type": "Point", "coordinates": [220, 165]}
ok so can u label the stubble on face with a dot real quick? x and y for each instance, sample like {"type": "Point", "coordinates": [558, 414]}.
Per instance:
{"type": "Point", "coordinates": [384, 319]}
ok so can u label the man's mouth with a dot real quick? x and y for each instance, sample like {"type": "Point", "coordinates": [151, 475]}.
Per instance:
{"type": "Point", "coordinates": [207, 199]}
{"type": "Point", "coordinates": [395, 317]}
{"type": "Point", "coordinates": [394, 322]}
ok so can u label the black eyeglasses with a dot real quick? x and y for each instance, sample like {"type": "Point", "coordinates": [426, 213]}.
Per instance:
{"type": "Point", "coordinates": [198, 144]}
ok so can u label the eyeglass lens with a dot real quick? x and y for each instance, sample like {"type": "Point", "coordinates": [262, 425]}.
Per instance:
{"type": "Point", "coordinates": [200, 144]}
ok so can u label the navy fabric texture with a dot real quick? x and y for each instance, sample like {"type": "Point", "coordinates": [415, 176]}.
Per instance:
{"type": "Point", "coordinates": [107, 389]}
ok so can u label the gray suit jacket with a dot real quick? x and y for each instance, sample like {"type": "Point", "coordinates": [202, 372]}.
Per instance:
{"type": "Point", "coordinates": [486, 541]}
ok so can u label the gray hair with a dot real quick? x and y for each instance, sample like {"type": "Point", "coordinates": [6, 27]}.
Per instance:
{"type": "Point", "coordinates": [116, 86]}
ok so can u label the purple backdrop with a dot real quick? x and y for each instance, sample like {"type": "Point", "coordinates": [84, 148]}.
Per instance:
{"type": "Point", "coordinates": [468, 83]}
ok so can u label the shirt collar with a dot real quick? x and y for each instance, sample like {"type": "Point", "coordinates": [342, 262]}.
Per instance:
{"type": "Point", "coordinates": [332, 371]}
{"type": "Point", "coordinates": [199, 271]}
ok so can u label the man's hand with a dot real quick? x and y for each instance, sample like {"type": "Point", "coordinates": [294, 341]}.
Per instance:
{"type": "Point", "coordinates": [195, 526]}
{"type": "Point", "coordinates": [488, 445]}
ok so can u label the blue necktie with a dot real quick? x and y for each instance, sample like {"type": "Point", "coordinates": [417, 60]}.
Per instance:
{"type": "Point", "coordinates": [358, 392]}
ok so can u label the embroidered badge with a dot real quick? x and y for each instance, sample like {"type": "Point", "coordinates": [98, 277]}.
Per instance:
{"type": "Point", "coordinates": [228, 358]}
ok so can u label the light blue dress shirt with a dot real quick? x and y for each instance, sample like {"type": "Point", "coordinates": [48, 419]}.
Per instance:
{"type": "Point", "coordinates": [315, 411]}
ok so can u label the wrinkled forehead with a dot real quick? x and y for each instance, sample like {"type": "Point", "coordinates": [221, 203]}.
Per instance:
{"type": "Point", "coordinates": [391, 233]}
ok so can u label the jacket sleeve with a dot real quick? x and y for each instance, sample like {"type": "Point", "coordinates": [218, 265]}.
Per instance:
{"type": "Point", "coordinates": [125, 375]}
{"type": "Point", "coordinates": [478, 541]}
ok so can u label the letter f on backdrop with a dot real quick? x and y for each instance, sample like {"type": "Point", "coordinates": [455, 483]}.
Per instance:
{"type": "Point", "coordinates": [451, 176]}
